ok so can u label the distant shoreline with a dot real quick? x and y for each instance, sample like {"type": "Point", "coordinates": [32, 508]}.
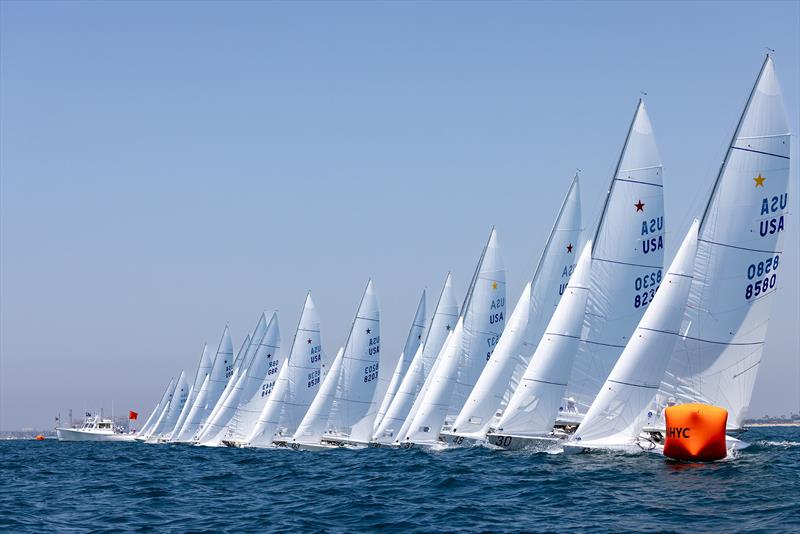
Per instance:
{"type": "Point", "coordinates": [747, 425]}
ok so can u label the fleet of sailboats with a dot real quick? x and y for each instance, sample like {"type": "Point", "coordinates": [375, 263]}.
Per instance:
{"type": "Point", "coordinates": [600, 341]}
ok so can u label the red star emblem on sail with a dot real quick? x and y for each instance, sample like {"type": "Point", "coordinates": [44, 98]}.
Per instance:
{"type": "Point", "coordinates": [569, 248]}
{"type": "Point", "coordinates": [639, 205]}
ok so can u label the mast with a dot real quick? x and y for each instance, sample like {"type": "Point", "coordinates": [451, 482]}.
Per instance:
{"type": "Point", "coordinates": [553, 229]}
{"type": "Point", "coordinates": [614, 176]}
{"type": "Point", "coordinates": [724, 164]}
{"type": "Point", "coordinates": [477, 272]}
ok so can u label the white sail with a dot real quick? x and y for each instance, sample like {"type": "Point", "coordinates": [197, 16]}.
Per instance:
{"type": "Point", "coordinates": [627, 260]}
{"type": "Point", "coordinates": [241, 408]}
{"type": "Point", "coordinates": [428, 418]}
{"type": "Point", "coordinates": [533, 407]}
{"type": "Point", "coordinates": [173, 411]}
{"type": "Point", "coordinates": [210, 390]}
{"type": "Point", "coordinates": [618, 414]}
{"type": "Point", "coordinates": [739, 261]}
{"type": "Point", "coordinates": [234, 373]}
{"type": "Point", "coordinates": [527, 323]}
{"type": "Point", "coordinates": [487, 396]}
{"type": "Point", "coordinates": [297, 383]}
{"type": "Point", "coordinates": [312, 426]}
{"type": "Point", "coordinates": [155, 428]}
{"type": "Point", "coordinates": [203, 369]}
{"type": "Point", "coordinates": [413, 342]}
{"type": "Point", "coordinates": [354, 405]}
{"type": "Point", "coordinates": [156, 413]}
{"type": "Point", "coordinates": [482, 319]}
{"type": "Point", "coordinates": [484, 315]}
{"type": "Point", "coordinates": [442, 323]}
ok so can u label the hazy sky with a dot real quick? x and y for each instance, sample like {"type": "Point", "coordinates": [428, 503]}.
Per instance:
{"type": "Point", "coordinates": [168, 167]}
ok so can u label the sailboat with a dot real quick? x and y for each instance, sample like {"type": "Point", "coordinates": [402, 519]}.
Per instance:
{"type": "Point", "coordinates": [466, 352]}
{"type": "Point", "coordinates": [627, 264]}
{"type": "Point", "coordinates": [296, 386]}
{"type": "Point", "coordinates": [444, 319]}
{"type": "Point", "coordinates": [617, 416]}
{"type": "Point", "coordinates": [154, 415]}
{"type": "Point", "coordinates": [163, 429]}
{"type": "Point", "coordinates": [413, 343]}
{"type": "Point", "coordinates": [233, 376]}
{"type": "Point", "coordinates": [210, 389]}
{"type": "Point", "coordinates": [165, 404]}
{"type": "Point", "coordinates": [349, 391]}
{"type": "Point", "coordinates": [240, 410]}
{"type": "Point", "coordinates": [528, 420]}
{"type": "Point", "coordinates": [200, 377]}
{"type": "Point", "coordinates": [525, 326]}
{"type": "Point", "coordinates": [739, 263]}
{"type": "Point", "coordinates": [313, 424]}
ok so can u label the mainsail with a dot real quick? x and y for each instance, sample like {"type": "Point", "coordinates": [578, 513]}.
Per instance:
{"type": "Point", "coordinates": [618, 414]}
{"type": "Point", "coordinates": [534, 405]}
{"type": "Point", "coordinates": [210, 390]}
{"type": "Point", "coordinates": [442, 323]}
{"type": "Point", "coordinates": [739, 261]}
{"type": "Point", "coordinates": [627, 260]}
{"type": "Point", "coordinates": [297, 383]}
{"type": "Point", "coordinates": [527, 323]}
{"type": "Point", "coordinates": [354, 406]}
{"type": "Point", "coordinates": [413, 342]}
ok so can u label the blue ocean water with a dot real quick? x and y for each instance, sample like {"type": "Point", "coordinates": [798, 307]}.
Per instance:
{"type": "Point", "coordinates": [171, 488]}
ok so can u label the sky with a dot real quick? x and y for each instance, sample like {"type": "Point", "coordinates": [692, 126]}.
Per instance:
{"type": "Point", "coordinates": [167, 168]}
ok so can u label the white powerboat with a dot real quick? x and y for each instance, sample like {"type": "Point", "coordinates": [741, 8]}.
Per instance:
{"type": "Point", "coordinates": [94, 429]}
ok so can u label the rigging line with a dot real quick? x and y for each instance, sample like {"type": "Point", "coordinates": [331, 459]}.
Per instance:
{"type": "Point", "coordinates": [740, 248]}
{"type": "Point", "coordinates": [704, 340]}
{"type": "Point", "coordinates": [633, 385]}
{"type": "Point", "coordinates": [759, 152]}
{"type": "Point", "coordinates": [544, 381]}
{"type": "Point", "coordinates": [638, 182]}
{"type": "Point", "coordinates": [629, 264]}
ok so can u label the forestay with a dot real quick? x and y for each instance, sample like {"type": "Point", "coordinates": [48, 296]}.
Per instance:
{"type": "Point", "coordinates": [739, 261]}
{"type": "Point", "coordinates": [618, 414]}
{"type": "Point", "coordinates": [627, 260]}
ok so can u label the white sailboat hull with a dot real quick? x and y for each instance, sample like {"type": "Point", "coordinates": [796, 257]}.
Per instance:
{"type": "Point", "coordinates": [517, 443]}
{"type": "Point", "coordinates": [77, 434]}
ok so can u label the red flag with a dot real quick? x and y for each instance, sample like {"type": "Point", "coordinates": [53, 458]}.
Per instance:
{"type": "Point", "coordinates": [132, 415]}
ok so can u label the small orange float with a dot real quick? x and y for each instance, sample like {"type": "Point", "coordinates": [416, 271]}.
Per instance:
{"type": "Point", "coordinates": [39, 438]}
{"type": "Point", "coordinates": [695, 432]}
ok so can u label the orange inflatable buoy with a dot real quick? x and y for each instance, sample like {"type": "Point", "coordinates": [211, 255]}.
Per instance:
{"type": "Point", "coordinates": [695, 432]}
{"type": "Point", "coordinates": [39, 438]}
